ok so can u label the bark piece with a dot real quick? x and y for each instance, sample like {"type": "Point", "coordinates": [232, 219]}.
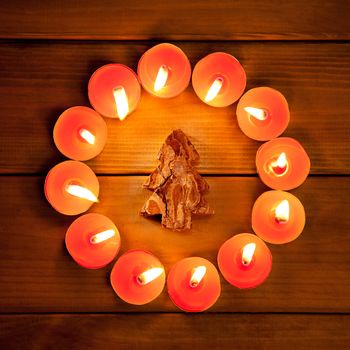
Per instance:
{"type": "Point", "coordinates": [178, 187]}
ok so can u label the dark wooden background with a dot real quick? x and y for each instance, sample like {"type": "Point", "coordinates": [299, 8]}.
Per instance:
{"type": "Point", "coordinates": [48, 51]}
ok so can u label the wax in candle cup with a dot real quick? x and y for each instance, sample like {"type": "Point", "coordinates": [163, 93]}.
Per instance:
{"type": "Point", "coordinates": [80, 133]}
{"type": "Point", "coordinates": [194, 284]}
{"type": "Point", "coordinates": [71, 187]}
{"type": "Point", "coordinates": [138, 277]}
{"type": "Point", "coordinates": [114, 91]}
{"type": "Point", "coordinates": [219, 79]}
{"type": "Point", "coordinates": [245, 261]}
{"type": "Point", "coordinates": [93, 240]}
{"type": "Point", "coordinates": [263, 113]}
{"type": "Point", "coordinates": [278, 217]}
{"type": "Point", "coordinates": [282, 163]}
{"type": "Point", "coordinates": [164, 70]}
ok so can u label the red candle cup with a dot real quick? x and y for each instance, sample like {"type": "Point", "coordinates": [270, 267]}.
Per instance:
{"type": "Point", "coordinates": [71, 187]}
{"type": "Point", "coordinates": [263, 113]}
{"type": "Point", "coordinates": [114, 91]}
{"type": "Point", "coordinates": [245, 261]}
{"type": "Point", "coordinates": [138, 277]}
{"type": "Point", "coordinates": [194, 284]}
{"type": "Point", "coordinates": [219, 79]}
{"type": "Point", "coordinates": [278, 217]}
{"type": "Point", "coordinates": [80, 133]}
{"type": "Point", "coordinates": [282, 163]}
{"type": "Point", "coordinates": [93, 240]}
{"type": "Point", "coordinates": [164, 70]}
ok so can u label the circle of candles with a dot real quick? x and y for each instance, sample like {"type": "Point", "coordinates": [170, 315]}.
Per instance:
{"type": "Point", "coordinates": [245, 261]}
{"type": "Point", "coordinates": [93, 240]}
{"type": "Point", "coordinates": [80, 133]}
{"type": "Point", "coordinates": [219, 79]}
{"type": "Point", "coordinates": [282, 163]}
{"type": "Point", "coordinates": [164, 70]}
{"type": "Point", "coordinates": [71, 187]}
{"type": "Point", "coordinates": [138, 277]}
{"type": "Point", "coordinates": [194, 284]}
{"type": "Point", "coordinates": [263, 113]}
{"type": "Point", "coordinates": [278, 217]}
{"type": "Point", "coordinates": [114, 90]}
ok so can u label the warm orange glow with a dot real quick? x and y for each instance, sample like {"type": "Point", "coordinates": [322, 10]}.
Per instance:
{"type": "Point", "coordinates": [121, 102]}
{"type": "Point", "coordinates": [102, 236]}
{"type": "Point", "coordinates": [282, 212]}
{"type": "Point", "coordinates": [214, 89]}
{"type": "Point", "coordinates": [162, 78]}
{"type": "Point", "coordinates": [257, 113]}
{"type": "Point", "coordinates": [149, 275]}
{"type": "Point", "coordinates": [248, 253]}
{"type": "Point", "coordinates": [87, 136]}
{"type": "Point", "coordinates": [197, 275]}
{"type": "Point", "coordinates": [81, 192]}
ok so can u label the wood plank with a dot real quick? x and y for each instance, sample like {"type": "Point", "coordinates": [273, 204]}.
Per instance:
{"type": "Point", "coordinates": [37, 274]}
{"type": "Point", "coordinates": [171, 331]}
{"type": "Point", "coordinates": [39, 80]}
{"type": "Point", "coordinates": [194, 20]}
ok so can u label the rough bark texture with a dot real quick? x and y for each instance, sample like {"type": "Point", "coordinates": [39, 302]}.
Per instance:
{"type": "Point", "coordinates": [178, 187]}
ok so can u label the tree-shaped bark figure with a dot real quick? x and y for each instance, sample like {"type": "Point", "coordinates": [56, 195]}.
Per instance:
{"type": "Point", "coordinates": [178, 187]}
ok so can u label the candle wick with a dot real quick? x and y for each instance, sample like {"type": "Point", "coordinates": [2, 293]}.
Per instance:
{"type": "Point", "coordinates": [149, 275]}
{"type": "Point", "coordinates": [258, 113]}
{"type": "Point", "coordinates": [87, 136]}
{"type": "Point", "coordinates": [194, 284]}
{"type": "Point", "coordinates": [282, 212]}
{"type": "Point", "coordinates": [121, 102]}
{"type": "Point", "coordinates": [248, 253]}
{"type": "Point", "coordinates": [102, 236]}
{"type": "Point", "coordinates": [81, 192]}
{"type": "Point", "coordinates": [198, 274]}
{"type": "Point", "coordinates": [162, 77]}
{"type": "Point", "coordinates": [214, 89]}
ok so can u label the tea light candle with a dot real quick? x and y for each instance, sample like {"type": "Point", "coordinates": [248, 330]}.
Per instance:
{"type": "Point", "coordinates": [114, 91]}
{"type": "Point", "coordinates": [138, 277]}
{"type": "Point", "coordinates": [164, 70]}
{"type": "Point", "coordinates": [93, 240]}
{"type": "Point", "coordinates": [219, 79]}
{"type": "Point", "coordinates": [194, 284]}
{"type": "Point", "coordinates": [278, 217]}
{"type": "Point", "coordinates": [71, 187]}
{"type": "Point", "coordinates": [80, 133]}
{"type": "Point", "coordinates": [263, 113]}
{"type": "Point", "coordinates": [282, 163]}
{"type": "Point", "coordinates": [245, 261]}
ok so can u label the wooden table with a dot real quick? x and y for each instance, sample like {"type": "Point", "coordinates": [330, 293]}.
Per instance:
{"type": "Point", "coordinates": [48, 51]}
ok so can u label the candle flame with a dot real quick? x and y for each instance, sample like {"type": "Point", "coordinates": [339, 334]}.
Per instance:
{"type": "Point", "coordinates": [248, 253]}
{"type": "Point", "coordinates": [149, 275]}
{"type": "Point", "coordinates": [162, 78]}
{"type": "Point", "coordinates": [87, 136]}
{"type": "Point", "coordinates": [281, 161]}
{"type": "Point", "coordinates": [214, 89]}
{"type": "Point", "coordinates": [102, 236]}
{"type": "Point", "coordinates": [197, 275]}
{"type": "Point", "coordinates": [282, 212]}
{"type": "Point", "coordinates": [81, 192]}
{"type": "Point", "coordinates": [121, 102]}
{"type": "Point", "coordinates": [257, 113]}
{"type": "Point", "coordinates": [280, 165]}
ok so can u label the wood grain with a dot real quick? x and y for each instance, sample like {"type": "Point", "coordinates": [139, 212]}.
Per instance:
{"type": "Point", "coordinates": [37, 274]}
{"type": "Point", "coordinates": [171, 331]}
{"type": "Point", "coordinates": [194, 20]}
{"type": "Point", "coordinates": [38, 80]}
